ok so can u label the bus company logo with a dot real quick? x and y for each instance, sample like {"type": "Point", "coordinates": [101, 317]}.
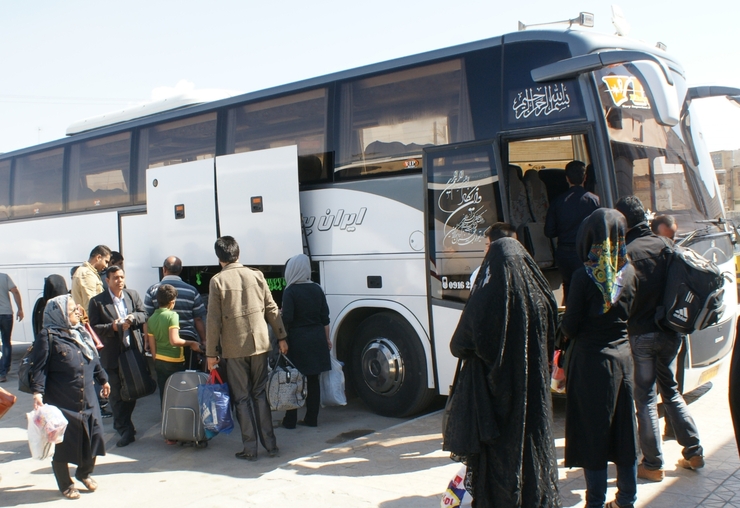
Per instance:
{"type": "Point", "coordinates": [411, 164]}
{"type": "Point", "coordinates": [342, 220]}
{"type": "Point", "coordinates": [626, 92]}
{"type": "Point", "coordinates": [542, 100]}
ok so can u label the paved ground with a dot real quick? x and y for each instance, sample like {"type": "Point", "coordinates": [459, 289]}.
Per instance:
{"type": "Point", "coordinates": [353, 459]}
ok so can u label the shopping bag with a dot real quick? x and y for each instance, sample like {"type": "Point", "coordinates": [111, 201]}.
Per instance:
{"type": "Point", "coordinates": [557, 379]}
{"type": "Point", "coordinates": [332, 385]}
{"type": "Point", "coordinates": [215, 408]}
{"type": "Point", "coordinates": [136, 379]}
{"type": "Point", "coordinates": [46, 426]}
{"type": "Point", "coordinates": [286, 386]}
{"type": "Point", "coordinates": [456, 493]}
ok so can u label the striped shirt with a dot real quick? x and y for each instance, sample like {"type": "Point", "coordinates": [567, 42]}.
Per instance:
{"type": "Point", "coordinates": [189, 304]}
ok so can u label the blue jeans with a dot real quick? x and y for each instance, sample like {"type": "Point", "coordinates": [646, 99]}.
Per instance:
{"type": "Point", "coordinates": [596, 486]}
{"type": "Point", "coordinates": [6, 327]}
{"type": "Point", "coordinates": [654, 356]}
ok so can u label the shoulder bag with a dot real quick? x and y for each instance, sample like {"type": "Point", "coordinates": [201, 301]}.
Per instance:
{"type": "Point", "coordinates": [286, 386]}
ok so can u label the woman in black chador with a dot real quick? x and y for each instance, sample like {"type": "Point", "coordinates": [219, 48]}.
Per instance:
{"type": "Point", "coordinates": [600, 413]}
{"type": "Point", "coordinates": [500, 422]}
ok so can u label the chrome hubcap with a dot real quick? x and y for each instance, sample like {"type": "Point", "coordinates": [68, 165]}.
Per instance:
{"type": "Point", "coordinates": [382, 367]}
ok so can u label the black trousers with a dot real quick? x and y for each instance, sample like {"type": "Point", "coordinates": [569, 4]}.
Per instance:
{"type": "Point", "coordinates": [164, 370]}
{"type": "Point", "coordinates": [61, 472]}
{"type": "Point", "coordinates": [247, 379]}
{"type": "Point", "coordinates": [122, 410]}
{"type": "Point", "coordinates": [313, 403]}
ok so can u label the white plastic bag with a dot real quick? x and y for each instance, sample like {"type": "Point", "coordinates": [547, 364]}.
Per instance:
{"type": "Point", "coordinates": [456, 494]}
{"type": "Point", "coordinates": [332, 385]}
{"type": "Point", "coordinates": [46, 426]}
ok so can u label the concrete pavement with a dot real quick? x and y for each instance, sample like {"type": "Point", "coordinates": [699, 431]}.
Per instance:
{"type": "Point", "coordinates": [354, 458]}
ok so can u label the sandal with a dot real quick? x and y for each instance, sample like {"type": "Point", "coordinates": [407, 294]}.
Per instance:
{"type": "Point", "coordinates": [71, 493]}
{"type": "Point", "coordinates": [90, 484]}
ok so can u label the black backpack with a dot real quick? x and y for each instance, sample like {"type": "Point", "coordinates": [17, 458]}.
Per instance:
{"type": "Point", "coordinates": [693, 298]}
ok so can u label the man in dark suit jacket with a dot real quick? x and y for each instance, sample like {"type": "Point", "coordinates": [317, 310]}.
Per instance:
{"type": "Point", "coordinates": [118, 317]}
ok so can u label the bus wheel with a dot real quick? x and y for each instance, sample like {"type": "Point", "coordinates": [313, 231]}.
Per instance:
{"type": "Point", "coordinates": [389, 366]}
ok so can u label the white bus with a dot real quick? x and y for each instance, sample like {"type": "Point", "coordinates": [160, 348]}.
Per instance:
{"type": "Point", "coordinates": [387, 175]}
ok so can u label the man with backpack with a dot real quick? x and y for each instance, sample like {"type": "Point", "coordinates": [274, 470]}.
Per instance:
{"type": "Point", "coordinates": [654, 350]}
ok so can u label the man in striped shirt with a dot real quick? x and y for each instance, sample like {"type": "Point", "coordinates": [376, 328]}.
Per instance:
{"type": "Point", "coordinates": [188, 306]}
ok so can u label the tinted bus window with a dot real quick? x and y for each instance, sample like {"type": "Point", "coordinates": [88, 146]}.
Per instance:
{"type": "Point", "coordinates": [99, 172]}
{"type": "Point", "coordinates": [4, 190]}
{"type": "Point", "coordinates": [37, 187]}
{"type": "Point", "coordinates": [298, 119]}
{"type": "Point", "coordinates": [174, 143]}
{"type": "Point", "coordinates": [385, 121]}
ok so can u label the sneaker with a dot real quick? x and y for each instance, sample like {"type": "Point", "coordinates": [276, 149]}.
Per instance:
{"type": "Point", "coordinates": [695, 462]}
{"type": "Point", "coordinates": [653, 475]}
{"type": "Point", "coordinates": [3, 379]}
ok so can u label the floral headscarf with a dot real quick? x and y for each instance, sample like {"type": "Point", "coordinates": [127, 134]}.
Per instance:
{"type": "Point", "coordinates": [603, 250]}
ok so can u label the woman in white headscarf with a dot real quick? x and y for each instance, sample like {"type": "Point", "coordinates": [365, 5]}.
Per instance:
{"type": "Point", "coordinates": [306, 319]}
{"type": "Point", "coordinates": [65, 364]}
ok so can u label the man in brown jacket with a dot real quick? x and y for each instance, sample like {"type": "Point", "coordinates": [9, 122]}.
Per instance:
{"type": "Point", "coordinates": [239, 301]}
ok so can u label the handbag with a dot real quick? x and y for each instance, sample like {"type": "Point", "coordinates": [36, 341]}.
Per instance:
{"type": "Point", "coordinates": [7, 400]}
{"type": "Point", "coordinates": [215, 407]}
{"type": "Point", "coordinates": [136, 379]}
{"type": "Point", "coordinates": [448, 404]}
{"type": "Point", "coordinates": [25, 369]}
{"type": "Point", "coordinates": [286, 386]}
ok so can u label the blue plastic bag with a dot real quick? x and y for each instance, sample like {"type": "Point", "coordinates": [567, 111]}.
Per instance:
{"type": "Point", "coordinates": [215, 409]}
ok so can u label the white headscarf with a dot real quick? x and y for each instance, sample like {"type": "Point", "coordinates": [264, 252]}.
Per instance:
{"type": "Point", "coordinates": [298, 270]}
{"type": "Point", "coordinates": [56, 317]}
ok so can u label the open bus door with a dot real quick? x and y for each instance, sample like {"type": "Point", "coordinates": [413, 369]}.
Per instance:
{"type": "Point", "coordinates": [462, 187]}
{"type": "Point", "coordinates": [252, 196]}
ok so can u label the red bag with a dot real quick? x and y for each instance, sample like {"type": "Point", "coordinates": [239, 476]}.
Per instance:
{"type": "Point", "coordinates": [7, 400]}
{"type": "Point", "coordinates": [557, 381]}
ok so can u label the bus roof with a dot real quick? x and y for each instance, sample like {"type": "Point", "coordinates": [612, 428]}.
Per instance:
{"type": "Point", "coordinates": [581, 42]}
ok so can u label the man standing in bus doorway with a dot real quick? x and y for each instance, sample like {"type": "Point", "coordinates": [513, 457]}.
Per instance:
{"type": "Point", "coordinates": [116, 259]}
{"type": "Point", "coordinates": [7, 286]}
{"type": "Point", "coordinates": [118, 317]}
{"type": "Point", "coordinates": [239, 300]}
{"type": "Point", "coordinates": [564, 217]}
{"type": "Point", "coordinates": [86, 281]}
{"type": "Point", "coordinates": [654, 350]}
{"type": "Point", "coordinates": [188, 305]}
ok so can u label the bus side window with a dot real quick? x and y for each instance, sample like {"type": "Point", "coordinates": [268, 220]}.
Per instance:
{"type": "Point", "coordinates": [37, 186]}
{"type": "Point", "coordinates": [5, 190]}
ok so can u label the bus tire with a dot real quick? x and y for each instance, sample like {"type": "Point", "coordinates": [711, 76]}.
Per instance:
{"type": "Point", "coordinates": [389, 366]}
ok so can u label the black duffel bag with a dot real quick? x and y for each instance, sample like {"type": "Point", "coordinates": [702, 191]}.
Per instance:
{"type": "Point", "coordinates": [136, 379]}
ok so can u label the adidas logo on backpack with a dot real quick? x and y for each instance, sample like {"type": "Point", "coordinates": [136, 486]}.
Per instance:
{"type": "Point", "coordinates": [693, 295]}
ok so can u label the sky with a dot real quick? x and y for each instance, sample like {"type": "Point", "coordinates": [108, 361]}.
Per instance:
{"type": "Point", "coordinates": [61, 62]}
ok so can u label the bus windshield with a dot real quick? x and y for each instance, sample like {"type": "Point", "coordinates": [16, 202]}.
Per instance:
{"type": "Point", "coordinates": [668, 168]}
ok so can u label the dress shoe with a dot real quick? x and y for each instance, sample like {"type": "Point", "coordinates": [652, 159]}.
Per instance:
{"type": "Point", "coordinates": [126, 440]}
{"type": "Point", "coordinates": [275, 452]}
{"type": "Point", "coordinates": [245, 456]}
{"type": "Point", "coordinates": [653, 475]}
{"type": "Point", "coordinates": [614, 504]}
{"type": "Point", "coordinates": [695, 462]}
{"type": "Point", "coordinates": [304, 423]}
{"type": "Point", "coordinates": [3, 379]}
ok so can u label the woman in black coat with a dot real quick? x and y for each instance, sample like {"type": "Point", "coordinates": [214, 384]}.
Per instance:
{"type": "Point", "coordinates": [306, 319]}
{"type": "Point", "coordinates": [65, 363]}
{"type": "Point", "coordinates": [600, 422]}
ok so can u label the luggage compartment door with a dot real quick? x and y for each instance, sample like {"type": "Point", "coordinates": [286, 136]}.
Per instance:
{"type": "Point", "coordinates": [258, 204]}
{"type": "Point", "coordinates": [181, 213]}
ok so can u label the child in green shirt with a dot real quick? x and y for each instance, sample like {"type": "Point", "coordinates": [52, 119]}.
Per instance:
{"type": "Point", "coordinates": [163, 335]}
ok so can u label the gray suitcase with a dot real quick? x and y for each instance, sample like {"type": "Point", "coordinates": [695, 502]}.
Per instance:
{"type": "Point", "coordinates": [180, 409]}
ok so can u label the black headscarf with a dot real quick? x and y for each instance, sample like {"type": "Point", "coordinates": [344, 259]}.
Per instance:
{"type": "Point", "coordinates": [501, 416]}
{"type": "Point", "coordinates": [602, 248]}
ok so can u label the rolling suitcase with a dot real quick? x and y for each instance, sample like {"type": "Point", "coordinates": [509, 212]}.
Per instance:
{"type": "Point", "coordinates": [181, 419]}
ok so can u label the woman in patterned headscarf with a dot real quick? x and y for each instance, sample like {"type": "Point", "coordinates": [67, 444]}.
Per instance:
{"type": "Point", "coordinates": [600, 422]}
{"type": "Point", "coordinates": [65, 361]}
